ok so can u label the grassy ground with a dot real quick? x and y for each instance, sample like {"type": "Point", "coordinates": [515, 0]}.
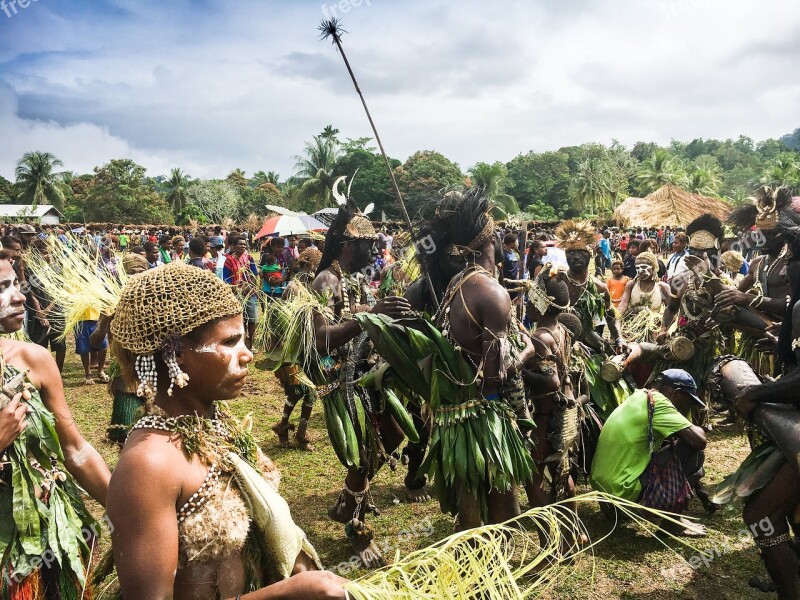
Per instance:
{"type": "Point", "coordinates": [628, 565]}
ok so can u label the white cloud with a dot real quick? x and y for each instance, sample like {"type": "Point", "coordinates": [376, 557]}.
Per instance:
{"type": "Point", "coordinates": [245, 84]}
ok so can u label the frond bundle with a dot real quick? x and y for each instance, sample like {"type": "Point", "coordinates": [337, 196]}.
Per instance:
{"type": "Point", "coordinates": [72, 276]}
{"type": "Point", "coordinates": [499, 561]}
{"type": "Point", "coordinates": [285, 329]}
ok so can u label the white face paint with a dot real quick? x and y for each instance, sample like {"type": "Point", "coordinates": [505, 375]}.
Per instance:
{"type": "Point", "coordinates": [644, 271]}
{"type": "Point", "coordinates": [231, 353]}
{"type": "Point", "coordinates": [9, 287]}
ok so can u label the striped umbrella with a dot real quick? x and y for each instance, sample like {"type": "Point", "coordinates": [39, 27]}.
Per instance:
{"type": "Point", "coordinates": [283, 225]}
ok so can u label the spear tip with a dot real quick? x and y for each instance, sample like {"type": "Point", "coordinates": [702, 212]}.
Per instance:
{"type": "Point", "coordinates": [331, 28]}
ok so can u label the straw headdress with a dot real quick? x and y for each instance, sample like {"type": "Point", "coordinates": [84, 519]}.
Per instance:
{"type": "Point", "coordinates": [167, 301]}
{"type": "Point", "coordinates": [705, 232]}
{"type": "Point", "coordinates": [576, 235]}
{"type": "Point", "coordinates": [732, 260]}
{"type": "Point", "coordinates": [310, 256]}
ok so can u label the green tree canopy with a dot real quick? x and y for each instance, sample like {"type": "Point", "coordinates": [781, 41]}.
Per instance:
{"type": "Point", "coordinates": [494, 180]}
{"type": "Point", "coordinates": [541, 178]}
{"type": "Point", "coordinates": [38, 182]}
{"type": "Point", "coordinates": [315, 172]}
{"type": "Point", "coordinates": [175, 190]}
{"type": "Point", "coordinates": [423, 178]}
{"type": "Point", "coordinates": [215, 200]}
{"type": "Point", "coordinates": [6, 191]}
{"type": "Point", "coordinates": [119, 194]}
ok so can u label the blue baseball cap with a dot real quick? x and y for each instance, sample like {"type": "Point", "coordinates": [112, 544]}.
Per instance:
{"type": "Point", "coordinates": [680, 380]}
{"type": "Point", "coordinates": [216, 241]}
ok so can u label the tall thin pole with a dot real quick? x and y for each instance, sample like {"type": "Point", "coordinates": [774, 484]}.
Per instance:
{"type": "Point", "coordinates": [330, 28]}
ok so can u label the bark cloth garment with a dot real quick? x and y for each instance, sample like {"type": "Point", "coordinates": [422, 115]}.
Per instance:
{"type": "Point", "coordinates": [46, 532]}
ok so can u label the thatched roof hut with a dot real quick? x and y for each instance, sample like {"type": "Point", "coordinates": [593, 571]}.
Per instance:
{"type": "Point", "coordinates": [669, 205]}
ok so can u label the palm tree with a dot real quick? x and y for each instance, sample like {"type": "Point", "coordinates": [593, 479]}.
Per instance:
{"type": "Point", "coordinates": [784, 170]}
{"type": "Point", "coordinates": [493, 179]}
{"type": "Point", "coordinates": [703, 181]}
{"type": "Point", "coordinates": [37, 183]}
{"type": "Point", "coordinates": [176, 190]}
{"type": "Point", "coordinates": [590, 185]}
{"type": "Point", "coordinates": [315, 171]}
{"type": "Point", "coordinates": [658, 170]}
{"type": "Point", "coordinates": [330, 133]}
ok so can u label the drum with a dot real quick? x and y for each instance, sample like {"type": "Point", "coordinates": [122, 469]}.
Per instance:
{"type": "Point", "coordinates": [727, 376]}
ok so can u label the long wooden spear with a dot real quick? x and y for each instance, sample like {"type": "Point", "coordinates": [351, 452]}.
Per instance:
{"type": "Point", "coordinates": [331, 28]}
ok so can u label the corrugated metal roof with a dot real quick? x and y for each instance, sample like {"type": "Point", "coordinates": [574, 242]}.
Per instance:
{"type": "Point", "coordinates": [27, 210]}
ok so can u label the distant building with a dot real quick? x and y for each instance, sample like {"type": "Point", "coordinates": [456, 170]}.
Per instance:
{"type": "Point", "coordinates": [44, 214]}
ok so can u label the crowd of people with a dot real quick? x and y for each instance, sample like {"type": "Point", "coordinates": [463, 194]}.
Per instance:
{"type": "Point", "coordinates": [486, 360]}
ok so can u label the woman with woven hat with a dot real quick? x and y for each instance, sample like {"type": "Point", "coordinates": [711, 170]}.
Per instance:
{"type": "Point", "coordinates": [193, 515]}
{"type": "Point", "coordinates": [47, 533]}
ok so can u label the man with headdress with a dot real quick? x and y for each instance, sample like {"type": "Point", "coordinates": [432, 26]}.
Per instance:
{"type": "Point", "coordinates": [691, 298]}
{"type": "Point", "coordinates": [766, 286]}
{"type": "Point", "coordinates": [769, 478]}
{"type": "Point", "coordinates": [344, 350]}
{"type": "Point", "coordinates": [552, 397]}
{"type": "Point", "coordinates": [476, 316]}
{"type": "Point", "coordinates": [591, 302]}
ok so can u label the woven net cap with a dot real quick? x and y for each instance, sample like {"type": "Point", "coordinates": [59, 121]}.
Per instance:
{"type": "Point", "coordinates": [171, 300]}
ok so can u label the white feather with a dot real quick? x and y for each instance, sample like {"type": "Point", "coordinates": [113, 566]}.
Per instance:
{"type": "Point", "coordinates": [369, 209]}
{"type": "Point", "coordinates": [340, 199]}
{"type": "Point", "coordinates": [349, 185]}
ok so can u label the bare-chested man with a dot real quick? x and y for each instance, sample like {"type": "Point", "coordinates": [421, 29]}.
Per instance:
{"type": "Point", "coordinates": [349, 248]}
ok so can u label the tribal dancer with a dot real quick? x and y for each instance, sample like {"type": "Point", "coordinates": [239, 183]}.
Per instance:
{"type": "Point", "coordinates": [692, 300]}
{"type": "Point", "coordinates": [48, 534]}
{"type": "Point", "coordinates": [643, 301]}
{"type": "Point", "coordinates": [289, 374]}
{"type": "Point", "coordinates": [193, 511]}
{"type": "Point", "coordinates": [433, 251]}
{"type": "Point", "coordinates": [769, 478]}
{"type": "Point", "coordinates": [550, 389]}
{"type": "Point", "coordinates": [766, 286]}
{"type": "Point", "coordinates": [591, 302]}
{"type": "Point", "coordinates": [363, 434]}
{"type": "Point", "coordinates": [476, 316]}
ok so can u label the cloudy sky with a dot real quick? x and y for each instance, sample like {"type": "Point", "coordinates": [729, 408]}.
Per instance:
{"type": "Point", "coordinates": [211, 85]}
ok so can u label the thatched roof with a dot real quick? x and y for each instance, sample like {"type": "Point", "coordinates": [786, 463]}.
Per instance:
{"type": "Point", "coordinates": [669, 205]}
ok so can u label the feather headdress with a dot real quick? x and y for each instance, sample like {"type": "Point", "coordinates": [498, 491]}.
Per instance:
{"type": "Point", "coordinates": [576, 235]}
{"type": "Point", "coordinates": [705, 232]}
{"type": "Point", "coordinates": [762, 210]}
{"type": "Point", "coordinates": [349, 225]}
